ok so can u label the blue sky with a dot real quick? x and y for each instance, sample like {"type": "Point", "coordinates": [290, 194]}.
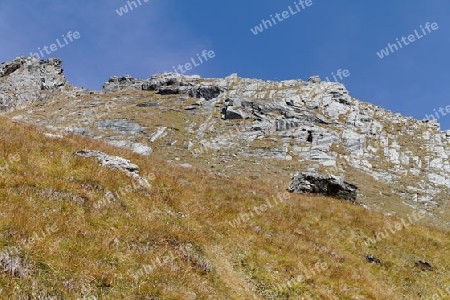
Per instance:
{"type": "Point", "coordinates": [320, 39]}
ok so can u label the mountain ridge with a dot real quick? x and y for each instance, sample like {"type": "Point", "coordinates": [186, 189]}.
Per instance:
{"type": "Point", "coordinates": [298, 124]}
{"type": "Point", "coordinates": [176, 187]}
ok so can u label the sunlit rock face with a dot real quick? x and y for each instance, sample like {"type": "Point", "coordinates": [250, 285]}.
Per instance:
{"type": "Point", "coordinates": [232, 119]}
{"type": "Point", "coordinates": [24, 81]}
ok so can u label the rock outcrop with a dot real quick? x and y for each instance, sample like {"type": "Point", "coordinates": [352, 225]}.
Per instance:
{"type": "Point", "coordinates": [24, 81]}
{"type": "Point", "coordinates": [115, 84]}
{"type": "Point", "coordinates": [236, 119]}
{"type": "Point", "coordinates": [167, 84]}
{"type": "Point", "coordinates": [115, 162]}
{"type": "Point", "coordinates": [313, 182]}
{"type": "Point", "coordinates": [164, 84]}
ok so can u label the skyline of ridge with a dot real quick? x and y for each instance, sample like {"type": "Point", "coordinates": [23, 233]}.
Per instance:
{"type": "Point", "coordinates": [320, 39]}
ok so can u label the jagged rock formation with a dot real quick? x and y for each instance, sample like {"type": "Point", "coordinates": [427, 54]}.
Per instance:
{"type": "Point", "coordinates": [26, 80]}
{"type": "Point", "coordinates": [316, 183]}
{"type": "Point", "coordinates": [319, 121]}
{"type": "Point", "coordinates": [232, 120]}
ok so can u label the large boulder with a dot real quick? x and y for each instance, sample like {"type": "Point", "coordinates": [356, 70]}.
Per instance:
{"type": "Point", "coordinates": [206, 90]}
{"type": "Point", "coordinates": [328, 185]}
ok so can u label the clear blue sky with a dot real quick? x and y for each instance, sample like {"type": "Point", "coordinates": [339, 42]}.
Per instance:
{"type": "Point", "coordinates": [320, 39]}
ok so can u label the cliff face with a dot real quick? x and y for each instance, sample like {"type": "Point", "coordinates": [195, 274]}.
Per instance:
{"type": "Point", "coordinates": [24, 81]}
{"type": "Point", "coordinates": [237, 124]}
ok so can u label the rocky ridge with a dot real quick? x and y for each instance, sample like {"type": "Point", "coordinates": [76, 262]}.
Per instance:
{"type": "Point", "coordinates": [313, 123]}
{"type": "Point", "coordinates": [26, 80]}
{"type": "Point", "coordinates": [318, 121]}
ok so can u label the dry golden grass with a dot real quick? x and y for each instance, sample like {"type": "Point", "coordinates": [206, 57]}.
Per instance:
{"type": "Point", "coordinates": [182, 227]}
{"type": "Point", "coordinates": [185, 127]}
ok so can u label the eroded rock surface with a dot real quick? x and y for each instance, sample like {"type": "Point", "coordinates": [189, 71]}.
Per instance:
{"type": "Point", "coordinates": [26, 80]}
{"type": "Point", "coordinates": [316, 183]}
{"type": "Point", "coordinates": [229, 121]}
{"type": "Point", "coordinates": [115, 162]}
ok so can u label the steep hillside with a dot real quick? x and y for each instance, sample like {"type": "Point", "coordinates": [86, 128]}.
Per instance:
{"type": "Point", "coordinates": [208, 215]}
{"type": "Point", "coordinates": [72, 229]}
{"type": "Point", "coordinates": [262, 130]}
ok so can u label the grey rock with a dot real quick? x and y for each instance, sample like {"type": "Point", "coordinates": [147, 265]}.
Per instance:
{"type": "Point", "coordinates": [23, 80]}
{"type": "Point", "coordinates": [161, 131]}
{"type": "Point", "coordinates": [112, 162]}
{"type": "Point", "coordinates": [168, 90]}
{"type": "Point", "coordinates": [135, 147]}
{"type": "Point", "coordinates": [121, 126]}
{"type": "Point", "coordinates": [115, 84]}
{"type": "Point", "coordinates": [235, 113]}
{"type": "Point", "coordinates": [115, 162]}
{"type": "Point", "coordinates": [317, 183]}
{"type": "Point", "coordinates": [191, 107]}
{"type": "Point", "coordinates": [314, 79]}
{"type": "Point", "coordinates": [308, 122]}
{"type": "Point", "coordinates": [245, 102]}
{"type": "Point", "coordinates": [170, 83]}
{"type": "Point", "coordinates": [205, 91]}
{"type": "Point", "coordinates": [141, 149]}
{"type": "Point", "coordinates": [77, 130]}
{"type": "Point", "coordinates": [353, 141]}
{"type": "Point", "coordinates": [149, 104]}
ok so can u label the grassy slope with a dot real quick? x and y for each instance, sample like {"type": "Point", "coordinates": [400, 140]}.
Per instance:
{"type": "Point", "coordinates": [84, 111]}
{"type": "Point", "coordinates": [101, 250]}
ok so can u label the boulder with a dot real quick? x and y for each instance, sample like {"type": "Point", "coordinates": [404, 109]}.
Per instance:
{"type": "Point", "coordinates": [235, 113]}
{"type": "Point", "coordinates": [205, 91]}
{"type": "Point", "coordinates": [170, 83]}
{"type": "Point", "coordinates": [112, 162]}
{"type": "Point", "coordinates": [115, 162]}
{"type": "Point", "coordinates": [314, 79]}
{"type": "Point", "coordinates": [115, 84]}
{"type": "Point", "coordinates": [328, 185]}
